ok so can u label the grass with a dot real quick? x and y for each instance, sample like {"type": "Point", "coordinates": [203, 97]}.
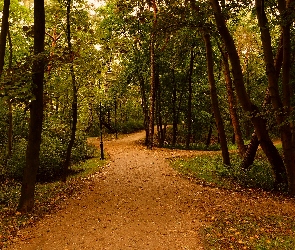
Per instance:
{"type": "Point", "coordinates": [48, 197]}
{"type": "Point", "coordinates": [239, 231]}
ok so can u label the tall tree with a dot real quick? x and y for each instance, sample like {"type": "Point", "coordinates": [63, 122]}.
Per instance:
{"type": "Point", "coordinates": [232, 104]}
{"type": "Point", "coordinates": [258, 121]}
{"type": "Point", "coordinates": [189, 100]}
{"type": "Point", "coordinates": [75, 95]}
{"type": "Point", "coordinates": [4, 31]}
{"type": "Point", "coordinates": [281, 107]}
{"type": "Point", "coordinates": [153, 77]}
{"type": "Point", "coordinates": [26, 202]}
{"type": "Point", "coordinates": [214, 100]}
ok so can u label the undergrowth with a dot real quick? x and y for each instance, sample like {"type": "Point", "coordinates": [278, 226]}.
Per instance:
{"type": "Point", "coordinates": [48, 197]}
{"type": "Point", "coordinates": [239, 231]}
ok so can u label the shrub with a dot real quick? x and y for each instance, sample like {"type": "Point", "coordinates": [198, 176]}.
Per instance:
{"type": "Point", "coordinates": [52, 154]}
{"type": "Point", "coordinates": [209, 168]}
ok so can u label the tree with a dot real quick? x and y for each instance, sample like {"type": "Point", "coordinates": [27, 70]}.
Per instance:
{"type": "Point", "coordinates": [214, 100]}
{"type": "Point", "coordinates": [26, 202]}
{"type": "Point", "coordinates": [258, 121]}
{"type": "Point", "coordinates": [282, 108]}
{"type": "Point", "coordinates": [4, 32]}
{"type": "Point", "coordinates": [75, 95]}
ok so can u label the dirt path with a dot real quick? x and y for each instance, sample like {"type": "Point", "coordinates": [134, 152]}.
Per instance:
{"type": "Point", "coordinates": [139, 202]}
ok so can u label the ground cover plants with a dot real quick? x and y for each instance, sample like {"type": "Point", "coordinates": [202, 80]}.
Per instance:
{"type": "Point", "coordinates": [240, 229]}
{"type": "Point", "coordinates": [49, 196]}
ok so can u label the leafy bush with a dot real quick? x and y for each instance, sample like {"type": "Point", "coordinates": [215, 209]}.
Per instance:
{"type": "Point", "coordinates": [52, 154]}
{"type": "Point", "coordinates": [130, 126]}
{"type": "Point", "coordinates": [209, 168]}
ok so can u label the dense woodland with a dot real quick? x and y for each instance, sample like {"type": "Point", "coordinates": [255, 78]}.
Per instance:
{"type": "Point", "coordinates": [200, 72]}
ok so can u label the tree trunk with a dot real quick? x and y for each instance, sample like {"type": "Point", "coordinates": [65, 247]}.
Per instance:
{"type": "Point", "coordinates": [4, 31]}
{"type": "Point", "coordinates": [152, 96]}
{"type": "Point", "coordinates": [159, 112]}
{"type": "Point", "coordinates": [250, 153]}
{"type": "Point", "coordinates": [258, 121]}
{"type": "Point", "coordinates": [286, 128]}
{"type": "Point", "coordinates": [10, 120]}
{"type": "Point", "coordinates": [214, 100]}
{"type": "Point", "coordinates": [232, 105]}
{"type": "Point", "coordinates": [282, 108]}
{"type": "Point", "coordinates": [174, 109]}
{"type": "Point", "coordinates": [26, 202]}
{"type": "Point", "coordinates": [153, 80]}
{"type": "Point", "coordinates": [75, 98]}
{"type": "Point", "coordinates": [208, 140]}
{"type": "Point", "coordinates": [189, 101]}
{"type": "Point", "coordinates": [145, 109]}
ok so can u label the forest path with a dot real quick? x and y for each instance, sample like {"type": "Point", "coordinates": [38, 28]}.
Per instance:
{"type": "Point", "coordinates": [139, 202]}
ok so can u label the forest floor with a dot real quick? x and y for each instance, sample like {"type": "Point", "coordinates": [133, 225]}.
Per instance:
{"type": "Point", "coordinates": [139, 202]}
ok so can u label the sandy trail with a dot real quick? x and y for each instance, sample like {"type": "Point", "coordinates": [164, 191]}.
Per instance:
{"type": "Point", "coordinates": [138, 202]}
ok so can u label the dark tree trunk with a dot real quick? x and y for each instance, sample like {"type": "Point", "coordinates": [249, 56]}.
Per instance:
{"type": "Point", "coordinates": [153, 80]}
{"type": "Point", "coordinates": [282, 108]}
{"type": "Point", "coordinates": [145, 109]}
{"type": "Point", "coordinates": [174, 109]}
{"type": "Point", "coordinates": [238, 138]}
{"type": "Point", "coordinates": [258, 121]}
{"type": "Point", "coordinates": [152, 96]}
{"type": "Point", "coordinates": [4, 31]}
{"type": "Point", "coordinates": [75, 98]}
{"type": "Point", "coordinates": [214, 100]}
{"type": "Point", "coordinates": [208, 140]}
{"type": "Point", "coordinates": [10, 120]}
{"type": "Point", "coordinates": [26, 202]}
{"type": "Point", "coordinates": [189, 101]}
{"type": "Point", "coordinates": [250, 153]}
{"type": "Point", "coordinates": [159, 111]}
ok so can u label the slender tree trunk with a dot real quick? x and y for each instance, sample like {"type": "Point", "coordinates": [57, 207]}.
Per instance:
{"type": "Point", "coordinates": [10, 120]}
{"type": "Point", "coordinates": [282, 108]}
{"type": "Point", "coordinates": [152, 96]}
{"type": "Point", "coordinates": [145, 109]}
{"type": "Point", "coordinates": [159, 111]}
{"type": "Point", "coordinates": [26, 202]}
{"type": "Point", "coordinates": [75, 97]}
{"type": "Point", "coordinates": [214, 100]}
{"type": "Point", "coordinates": [4, 31]}
{"type": "Point", "coordinates": [254, 143]}
{"type": "Point", "coordinates": [174, 109]}
{"type": "Point", "coordinates": [153, 80]}
{"type": "Point", "coordinates": [232, 105]}
{"type": "Point", "coordinates": [258, 121]}
{"type": "Point", "coordinates": [189, 101]}
{"type": "Point", "coordinates": [208, 140]}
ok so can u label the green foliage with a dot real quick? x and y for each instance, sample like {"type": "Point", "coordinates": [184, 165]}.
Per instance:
{"type": "Point", "coordinates": [130, 126]}
{"type": "Point", "coordinates": [47, 198]}
{"type": "Point", "coordinates": [208, 167]}
{"type": "Point", "coordinates": [52, 154]}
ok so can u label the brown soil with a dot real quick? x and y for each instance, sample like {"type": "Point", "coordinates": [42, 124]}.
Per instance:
{"type": "Point", "coordinates": [140, 202]}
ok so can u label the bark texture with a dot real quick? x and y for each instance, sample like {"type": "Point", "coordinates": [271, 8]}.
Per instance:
{"type": "Point", "coordinates": [75, 97]}
{"type": "Point", "coordinates": [26, 202]}
{"type": "Point", "coordinates": [232, 105]}
{"type": "Point", "coordinates": [214, 100]}
{"type": "Point", "coordinates": [258, 121]}
{"type": "Point", "coordinates": [280, 105]}
{"type": "Point", "coordinates": [189, 101]}
{"type": "Point", "coordinates": [4, 31]}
